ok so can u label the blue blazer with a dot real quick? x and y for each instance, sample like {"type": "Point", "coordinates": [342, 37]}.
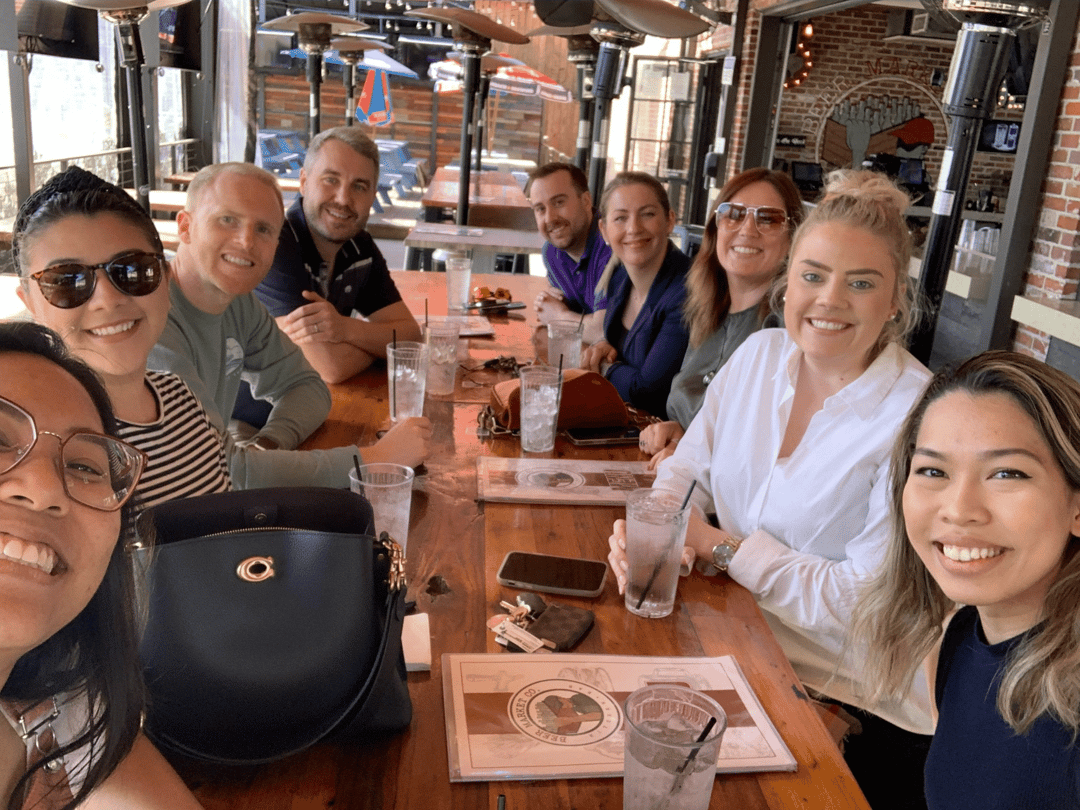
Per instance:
{"type": "Point", "coordinates": [653, 349]}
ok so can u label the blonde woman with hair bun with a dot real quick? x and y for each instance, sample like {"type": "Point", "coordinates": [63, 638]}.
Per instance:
{"type": "Point", "coordinates": [789, 455]}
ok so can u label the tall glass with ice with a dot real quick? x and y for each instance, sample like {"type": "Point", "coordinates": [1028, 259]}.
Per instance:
{"type": "Point", "coordinates": [406, 372]}
{"type": "Point", "coordinates": [540, 388]}
{"type": "Point", "coordinates": [458, 278]}
{"type": "Point", "coordinates": [666, 761]}
{"type": "Point", "coordinates": [655, 535]}
{"type": "Point", "coordinates": [442, 341]}
{"type": "Point", "coordinates": [564, 340]}
{"type": "Point", "coordinates": [388, 488]}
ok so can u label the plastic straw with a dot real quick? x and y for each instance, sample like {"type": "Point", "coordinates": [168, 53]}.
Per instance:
{"type": "Point", "coordinates": [682, 772]}
{"type": "Point", "coordinates": [425, 313]}
{"type": "Point", "coordinates": [660, 563]}
{"type": "Point", "coordinates": [393, 379]}
{"type": "Point", "coordinates": [359, 477]}
{"type": "Point", "coordinates": [581, 321]}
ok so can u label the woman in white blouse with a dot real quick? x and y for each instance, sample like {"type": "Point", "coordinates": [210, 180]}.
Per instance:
{"type": "Point", "coordinates": [791, 448]}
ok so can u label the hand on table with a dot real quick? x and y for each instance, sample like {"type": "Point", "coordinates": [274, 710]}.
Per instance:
{"type": "Point", "coordinates": [602, 353]}
{"type": "Point", "coordinates": [617, 556]}
{"type": "Point", "coordinates": [317, 322]}
{"type": "Point", "coordinates": [659, 440]}
{"type": "Point", "coordinates": [406, 443]}
{"type": "Point", "coordinates": [550, 306]}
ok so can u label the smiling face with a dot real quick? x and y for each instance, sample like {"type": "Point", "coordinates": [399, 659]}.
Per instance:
{"type": "Point", "coordinates": [228, 241]}
{"type": "Point", "coordinates": [988, 509]}
{"type": "Point", "coordinates": [563, 215]}
{"type": "Point", "coordinates": [338, 189]}
{"type": "Point", "coordinates": [38, 522]}
{"type": "Point", "coordinates": [841, 290]}
{"type": "Point", "coordinates": [112, 332]}
{"type": "Point", "coordinates": [749, 257]}
{"type": "Point", "coordinates": [636, 227]}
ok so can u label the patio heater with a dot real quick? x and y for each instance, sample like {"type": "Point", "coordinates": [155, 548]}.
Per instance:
{"type": "Point", "coordinates": [314, 29]}
{"type": "Point", "coordinates": [583, 51]}
{"type": "Point", "coordinates": [489, 64]}
{"type": "Point", "coordinates": [472, 34]}
{"type": "Point", "coordinates": [126, 16]}
{"type": "Point", "coordinates": [352, 50]}
{"type": "Point", "coordinates": [987, 32]}
{"type": "Point", "coordinates": [618, 25]}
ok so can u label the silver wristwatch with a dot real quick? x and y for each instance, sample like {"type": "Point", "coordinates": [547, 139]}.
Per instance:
{"type": "Point", "coordinates": [724, 552]}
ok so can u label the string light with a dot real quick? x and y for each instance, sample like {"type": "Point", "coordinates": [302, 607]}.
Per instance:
{"type": "Point", "coordinates": [802, 50]}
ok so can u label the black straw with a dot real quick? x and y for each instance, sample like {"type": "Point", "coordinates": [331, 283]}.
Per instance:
{"type": "Point", "coordinates": [659, 563]}
{"type": "Point", "coordinates": [681, 772]}
{"type": "Point", "coordinates": [359, 478]}
{"type": "Point", "coordinates": [393, 380]}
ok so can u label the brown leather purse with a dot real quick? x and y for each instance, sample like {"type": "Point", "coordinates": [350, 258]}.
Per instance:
{"type": "Point", "coordinates": [589, 400]}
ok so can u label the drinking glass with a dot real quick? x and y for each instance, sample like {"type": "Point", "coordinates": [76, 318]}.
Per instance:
{"type": "Point", "coordinates": [540, 389]}
{"type": "Point", "coordinates": [656, 524]}
{"type": "Point", "coordinates": [406, 372]}
{"type": "Point", "coordinates": [442, 341]}
{"type": "Point", "coordinates": [388, 488]}
{"type": "Point", "coordinates": [458, 277]}
{"type": "Point", "coordinates": [564, 339]}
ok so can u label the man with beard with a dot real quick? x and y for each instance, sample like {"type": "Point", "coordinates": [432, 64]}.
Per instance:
{"type": "Point", "coordinates": [575, 254]}
{"type": "Point", "coordinates": [329, 287]}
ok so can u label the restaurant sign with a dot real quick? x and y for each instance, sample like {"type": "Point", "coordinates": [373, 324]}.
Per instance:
{"type": "Point", "coordinates": [797, 141]}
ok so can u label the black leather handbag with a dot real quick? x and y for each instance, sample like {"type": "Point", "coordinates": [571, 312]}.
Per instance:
{"type": "Point", "coordinates": [274, 622]}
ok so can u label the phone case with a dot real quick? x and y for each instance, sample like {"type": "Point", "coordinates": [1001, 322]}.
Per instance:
{"type": "Point", "coordinates": [563, 625]}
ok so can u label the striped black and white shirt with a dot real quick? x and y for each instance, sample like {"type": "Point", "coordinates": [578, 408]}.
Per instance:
{"type": "Point", "coordinates": [185, 454]}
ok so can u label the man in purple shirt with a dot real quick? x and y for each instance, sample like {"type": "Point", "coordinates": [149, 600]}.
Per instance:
{"type": "Point", "coordinates": [575, 254]}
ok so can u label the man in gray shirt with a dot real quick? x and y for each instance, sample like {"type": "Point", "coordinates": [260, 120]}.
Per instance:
{"type": "Point", "coordinates": [218, 334]}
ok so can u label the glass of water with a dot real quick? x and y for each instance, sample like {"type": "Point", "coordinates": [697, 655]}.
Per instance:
{"type": "Point", "coordinates": [442, 341]}
{"type": "Point", "coordinates": [406, 372]}
{"type": "Point", "coordinates": [540, 389]}
{"type": "Point", "coordinates": [564, 340]}
{"type": "Point", "coordinates": [656, 524]}
{"type": "Point", "coordinates": [458, 278]}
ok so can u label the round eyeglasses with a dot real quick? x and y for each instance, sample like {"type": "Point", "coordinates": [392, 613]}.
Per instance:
{"type": "Point", "coordinates": [71, 285]}
{"type": "Point", "coordinates": [766, 218]}
{"type": "Point", "coordinates": [97, 470]}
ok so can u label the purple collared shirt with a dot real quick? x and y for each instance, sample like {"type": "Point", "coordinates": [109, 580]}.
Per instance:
{"type": "Point", "coordinates": [577, 280]}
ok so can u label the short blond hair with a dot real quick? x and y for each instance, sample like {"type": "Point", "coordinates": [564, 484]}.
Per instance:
{"type": "Point", "coordinates": [208, 174]}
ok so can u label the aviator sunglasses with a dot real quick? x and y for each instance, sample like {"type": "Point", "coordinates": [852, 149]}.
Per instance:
{"type": "Point", "coordinates": [765, 218]}
{"type": "Point", "coordinates": [71, 285]}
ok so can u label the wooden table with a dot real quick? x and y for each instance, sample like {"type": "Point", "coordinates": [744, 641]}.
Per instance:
{"type": "Point", "coordinates": [495, 199]}
{"type": "Point", "coordinates": [455, 547]}
{"type": "Point", "coordinates": [484, 243]}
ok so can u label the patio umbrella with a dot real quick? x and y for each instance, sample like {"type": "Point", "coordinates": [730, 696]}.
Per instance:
{"type": "Point", "coordinates": [473, 34]}
{"type": "Point", "coordinates": [366, 54]}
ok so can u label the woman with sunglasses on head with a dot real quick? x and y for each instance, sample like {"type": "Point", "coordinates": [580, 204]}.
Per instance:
{"type": "Point", "coordinates": [93, 270]}
{"type": "Point", "coordinates": [742, 252]}
{"type": "Point", "coordinates": [644, 337]}
{"type": "Point", "coordinates": [985, 492]}
{"type": "Point", "coordinates": [789, 456]}
{"type": "Point", "coordinates": [71, 694]}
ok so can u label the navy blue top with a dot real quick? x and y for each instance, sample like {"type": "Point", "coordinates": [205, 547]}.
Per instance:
{"type": "Point", "coordinates": [577, 280]}
{"type": "Point", "coordinates": [651, 352]}
{"type": "Point", "coordinates": [360, 279]}
{"type": "Point", "coordinates": [976, 760]}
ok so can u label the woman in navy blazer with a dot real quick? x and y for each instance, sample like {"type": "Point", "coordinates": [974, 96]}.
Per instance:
{"type": "Point", "coordinates": [644, 335]}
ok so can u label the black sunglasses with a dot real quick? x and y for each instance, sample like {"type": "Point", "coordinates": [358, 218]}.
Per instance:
{"type": "Point", "coordinates": [71, 285]}
{"type": "Point", "coordinates": [765, 218]}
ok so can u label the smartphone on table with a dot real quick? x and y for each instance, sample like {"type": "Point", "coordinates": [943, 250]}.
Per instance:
{"type": "Point", "coordinates": [603, 437]}
{"type": "Point", "coordinates": [548, 573]}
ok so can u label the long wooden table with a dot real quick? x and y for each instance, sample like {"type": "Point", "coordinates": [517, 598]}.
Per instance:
{"type": "Point", "coordinates": [455, 547]}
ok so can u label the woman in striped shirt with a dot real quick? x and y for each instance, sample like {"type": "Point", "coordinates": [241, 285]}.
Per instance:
{"type": "Point", "coordinates": [92, 269]}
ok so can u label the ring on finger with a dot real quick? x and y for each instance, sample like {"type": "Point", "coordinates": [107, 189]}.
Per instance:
{"type": "Point", "coordinates": [316, 327]}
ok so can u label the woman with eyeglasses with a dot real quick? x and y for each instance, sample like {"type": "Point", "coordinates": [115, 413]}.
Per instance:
{"type": "Point", "coordinates": [743, 250]}
{"type": "Point", "coordinates": [789, 455]}
{"type": "Point", "coordinates": [93, 270]}
{"type": "Point", "coordinates": [983, 574]}
{"type": "Point", "coordinates": [644, 337]}
{"type": "Point", "coordinates": [71, 693]}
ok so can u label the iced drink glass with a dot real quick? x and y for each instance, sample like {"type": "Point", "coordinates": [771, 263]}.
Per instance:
{"type": "Point", "coordinates": [664, 764]}
{"type": "Point", "coordinates": [388, 488]}
{"type": "Point", "coordinates": [564, 338]}
{"type": "Point", "coordinates": [458, 277]}
{"type": "Point", "coordinates": [406, 372]}
{"type": "Point", "coordinates": [655, 535]}
{"type": "Point", "coordinates": [540, 389]}
{"type": "Point", "coordinates": [442, 341]}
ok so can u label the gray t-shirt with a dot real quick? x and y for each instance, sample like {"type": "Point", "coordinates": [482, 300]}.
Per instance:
{"type": "Point", "coordinates": [700, 364]}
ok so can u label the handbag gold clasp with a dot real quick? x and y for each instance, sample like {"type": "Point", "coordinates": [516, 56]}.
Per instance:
{"type": "Point", "coordinates": [256, 569]}
{"type": "Point", "coordinates": [396, 580]}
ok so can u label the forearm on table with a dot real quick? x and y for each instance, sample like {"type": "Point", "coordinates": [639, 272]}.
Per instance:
{"type": "Point", "coordinates": [373, 336]}
{"type": "Point", "coordinates": [336, 362]}
{"type": "Point", "coordinates": [297, 412]}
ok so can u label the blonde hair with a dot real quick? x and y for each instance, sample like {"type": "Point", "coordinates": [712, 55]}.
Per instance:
{"type": "Point", "coordinates": [619, 181]}
{"type": "Point", "coordinates": [898, 618]}
{"type": "Point", "coordinates": [208, 174]}
{"type": "Point", "coordinates": [871, 202]}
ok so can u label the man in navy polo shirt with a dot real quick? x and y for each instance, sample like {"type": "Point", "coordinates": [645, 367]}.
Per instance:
{"type": "Point", "coordinates": [328, 269]}
{"type": "Point", "coordinates": [575, 254]}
